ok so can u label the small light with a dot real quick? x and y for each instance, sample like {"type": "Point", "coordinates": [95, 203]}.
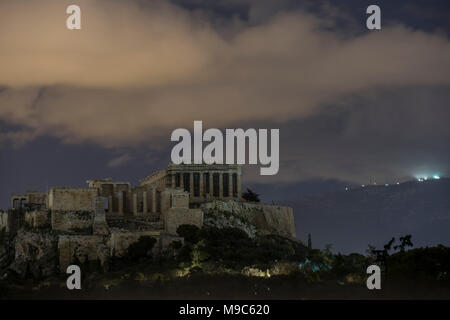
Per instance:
{"type": "Point", "coordinates": [363, 186]}
{"type": "Point", "coordinates": [436, 177]}
{"type": "Point", "coordinates": [398, 182]}
{"type": "Point", "coordinates": [387, 185]}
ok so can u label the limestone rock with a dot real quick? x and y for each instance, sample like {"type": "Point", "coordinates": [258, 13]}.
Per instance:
{"type": "Point", "coordinates": [80, 249]}
{"type": "Point", "coordinates": [35, 254]}
{"type": "Point", "coordinates": [266, 218]}
{"type": "Point", "coordinates": [221, 220]}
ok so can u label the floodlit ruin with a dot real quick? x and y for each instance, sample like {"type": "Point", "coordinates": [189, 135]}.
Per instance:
{"type": "Point", "coordinates": [105, 218]}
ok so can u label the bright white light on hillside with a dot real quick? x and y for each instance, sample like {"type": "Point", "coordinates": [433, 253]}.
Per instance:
{"type": "Point", "coordinates": [436, 177]}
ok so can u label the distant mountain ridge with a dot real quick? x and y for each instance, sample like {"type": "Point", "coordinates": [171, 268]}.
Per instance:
{"type": "Point", "coordinates": [350, 220]}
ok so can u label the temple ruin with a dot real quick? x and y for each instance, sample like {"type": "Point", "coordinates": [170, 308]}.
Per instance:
{"type": "Point", "coordinates": [104, 218]}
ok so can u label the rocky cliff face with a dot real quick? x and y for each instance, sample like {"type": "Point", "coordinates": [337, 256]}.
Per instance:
{"type": "Point", "coordinates": [266, 218]}
{"type": "Point", "coordinates": [4, 221]}
{"type": "Point", "coordinates": [35, 254]}
{"type": "Point", "coordinates": [36, 250]}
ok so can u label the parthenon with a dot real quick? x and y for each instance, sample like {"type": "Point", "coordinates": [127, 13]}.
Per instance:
{"type": "Point", "coordinates": [202, 182]}
{"type": "Point", "coordinates": [199, 184]}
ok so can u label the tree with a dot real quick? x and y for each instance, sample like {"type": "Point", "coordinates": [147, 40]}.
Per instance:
{"type": "Point", "coordinates": [189, 232]}
{"type": "Point", "coordinates": [141, 248]}
{"type": "Point", "coordinates": [250, 196]}
{"type": "Point", "coordinates": [387, 246]}
{"type": "Point", "coordinates": [405, 241]}
{"type": "Point", "coordinates": [309, 241]}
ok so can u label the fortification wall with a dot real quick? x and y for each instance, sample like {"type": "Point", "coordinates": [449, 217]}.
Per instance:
{"type": "Point", "coordinates": [67, 199]}
{"type": "Point", "coordinates": [37, 219]}
{"type": "Point", "coordinates": [72, 221]}
{"type": "Point", "coordinates": [175, 217]}
{"type": "Point", "coordinates": [120, 241]}
{"type": "Point", "coordinates": [266, 217]}
{"type": "Point", "coordinates": [81, 248]}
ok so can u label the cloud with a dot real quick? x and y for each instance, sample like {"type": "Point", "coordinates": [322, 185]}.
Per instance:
{"type": "Point", "coordinates": [384, 137]}
{"type": "Point", "coordinates": [119, 161]}
{"type": "Point", "coordinates": [17, 138]}
{"type": "Point", "coordinates": [138, 70]}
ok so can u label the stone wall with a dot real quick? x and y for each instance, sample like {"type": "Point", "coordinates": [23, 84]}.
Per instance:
{"type": "Point", "coordinates": [73, 248]}
{"type": "Point", "coordinates": [268, 218]}
{"type": "Point", "coordinates": [68, 199]}
{"type": "Point", "coordinates": [175, 217]}
{"type": "Point", "coordinates": [72, 221]}
{"type": "Point", "coordinates": [76, 248]}
{"type": "Point", "coordinates": [4, 221]}
{"type": "Point", "coordinates": [120, 241]}
{"type": "Point", "coordinates": [37, 219]}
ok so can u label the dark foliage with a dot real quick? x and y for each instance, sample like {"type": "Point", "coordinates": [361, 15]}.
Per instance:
{"type": "Point", "coordinates": [141, 248]}
{"type": "Point", "coordinates": [250, 196]}
{"type": "Point", "coordinates": [189, 232]}
{"type": "Point", "coordinates": [2, 236]}
{"type": "Point", "coordinates": [233, 248]}
{"type": "Point", "coordinates": [347, 264]}
{"type": "Point", "coordinates": [431, 262]}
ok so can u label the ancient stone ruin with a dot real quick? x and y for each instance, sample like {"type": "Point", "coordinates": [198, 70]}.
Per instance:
{"type": "Point", "coordinates": [105, 218]}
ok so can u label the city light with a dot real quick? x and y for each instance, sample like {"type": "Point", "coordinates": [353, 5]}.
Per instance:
{"type": "Point", "coordinates": [425, 178]}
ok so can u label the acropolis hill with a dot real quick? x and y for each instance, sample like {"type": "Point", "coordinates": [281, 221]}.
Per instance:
{"type": "Point", "coordinates": [55, 229]}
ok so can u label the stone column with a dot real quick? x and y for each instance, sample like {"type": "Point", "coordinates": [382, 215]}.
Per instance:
{"type": "Point", "coordinates": [135, 211]}
{"type": "Point", "coordinates": [99, 226]}
{"type": "Point", "coordinates": [200, 183]}
{"type": "Point", "coordinates": [181, 181]}
{"type": "Point", "coordinates": [173, 180]}
{"type": "Point", "coordinates": [230, 185]}
{"type": "Point", "coordinates": [191, 184]}
{"type": "Point", "coordinates": [239, 187]}
{"type": "Point", "coordinates": [120, 202]}
{"type": "Point", "coordinates": [220, 185]}
{"type": "Point", "coordinates": [144, 204]}
{"type": "Point", "coordinates": [154, 200]}
{"type": "Point", "coordinates": [110, 204]}
{"type": "Point", "coordinates": [211, 185]}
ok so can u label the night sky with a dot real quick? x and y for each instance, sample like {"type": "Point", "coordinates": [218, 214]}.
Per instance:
{"type": "Point", "coordinates": [352, 105]}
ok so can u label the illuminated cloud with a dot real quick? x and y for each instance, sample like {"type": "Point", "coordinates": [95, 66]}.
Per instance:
{"type": "Point", "coordinates": [119, 161]}
{"type": "Point", "coordinates": [137, 71]}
